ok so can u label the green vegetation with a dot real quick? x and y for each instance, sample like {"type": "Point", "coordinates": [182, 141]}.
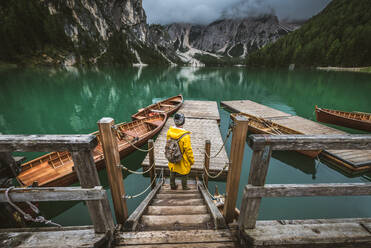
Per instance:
{"type": "Point", "coordinates": [339, 36]}
{"type": "Point", "coordinates": [367, 69]}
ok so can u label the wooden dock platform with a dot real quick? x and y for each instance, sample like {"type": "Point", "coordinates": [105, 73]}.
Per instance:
{"type": "Point", "coordinates": [202, 118]}
{"type": "Point", "coordinates": [350, 161]}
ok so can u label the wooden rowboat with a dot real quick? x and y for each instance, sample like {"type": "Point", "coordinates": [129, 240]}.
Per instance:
{"type": "Point", "coordinates": [56, 168]}
{"type": "Point", "coordinates": [356, 120]}
{"type": "Point", "coordinates": [168, 106]}
{"type": "Point", "coordinates": [262, 126]}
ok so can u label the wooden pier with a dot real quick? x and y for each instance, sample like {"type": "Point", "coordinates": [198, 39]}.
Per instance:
{"type": "Point", "coordinates": [202, 118]}
{"type": "Point", "coordinates": [350, 161]}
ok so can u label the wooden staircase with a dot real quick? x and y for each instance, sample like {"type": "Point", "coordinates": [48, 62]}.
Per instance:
{"type": "Point", "coordinates": [176, 218]}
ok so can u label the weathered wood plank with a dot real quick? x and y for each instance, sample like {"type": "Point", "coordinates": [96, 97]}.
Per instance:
{"type": "Point", "coordinates": [175, 210]}
{"type": "Point", "coordinates": [207, 161]}
{"type": "Point", "coordinates": [236, 156]}
{"type": "Point", "coordinates": [53, 194]}
{"type": "Point", "coordinates": [309, 235]}
{"type": "Point", "coordinates": [310, 142]}
{"type": "Point", "coordinates": [169, 220]}
{"type": "Point", "coordinates": [311, 221]}
{"type": "Point", "coordinates": [200, 110]}
{"type": "Point", "coordinates": [217, 216]}
{"type": "Point", "coordinates": [46, 143]}
{"type": "Point", "coordinates": [258, 172]}
{"type": "Point", "coordinates": [151, 154]}
{"type": "Point", "coordinates": [178, 196]}
{"type": "Point", "coordinates": [188, 245]}
{"type": "Point", "coordinates": [133, 220]}
{"type": "Point", "coordinates": [177, 202]}
{"type": "Point", "coordinates": [298, 190]}
{"type": "Point", "coordinates": [174, 237]}
{"type": "Point", "coordinates": [114, 173]}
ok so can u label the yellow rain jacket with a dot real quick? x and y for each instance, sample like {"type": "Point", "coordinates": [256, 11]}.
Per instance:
{"type": "Point", "coordinates": [184, 166]}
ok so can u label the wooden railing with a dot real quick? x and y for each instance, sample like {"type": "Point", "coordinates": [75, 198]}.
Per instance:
{"type": "Point", "coordinates": [263, 145]}
{"type": "Point", "coordinates": [80, 146]}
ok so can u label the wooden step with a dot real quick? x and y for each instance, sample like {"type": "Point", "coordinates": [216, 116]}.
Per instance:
{"type": "Point", "coordinates": [178, 196]}
{"type": "Point", "coordinates": [177, 202]}
{"type": "Point", "coordinates": [176, 210]}
{"type": "Point", "coordinates": [190, 185]}
{"type": "Point", "coordinates": [177, 191]}
{"type": "Point", "coordinates": [186, 245]}
{"type": "Point", "coordinates": [174, 221]}
{"type": "Point", "coordinates": [179, 238]}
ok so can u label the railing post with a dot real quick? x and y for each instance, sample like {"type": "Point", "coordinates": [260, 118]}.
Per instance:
{"type": "Point", "coordinates": [152, 172]}
{"type": "Point", "coordinates": [114, 173]}
{"type": "Point", "coordinates": [234, 171]}
{"type": "Point", "coordinates": [258, 173]}
{"type": "Point", "coordinates": [100, 212]}
{"type": "Point", "coordinates": [207, 161]}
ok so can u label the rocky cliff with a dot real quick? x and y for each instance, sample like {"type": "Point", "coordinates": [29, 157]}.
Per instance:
{"type": "Point", "coordinates": [76, 32]}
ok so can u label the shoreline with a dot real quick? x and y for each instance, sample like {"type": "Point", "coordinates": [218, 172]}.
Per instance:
{"type": "Point", "coordinates": [350, 69]}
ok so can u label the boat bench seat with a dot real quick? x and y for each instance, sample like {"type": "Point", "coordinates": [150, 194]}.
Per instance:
{"type": "Point", "coordinates": [154, 123]}
{"type": "Point", "coordinates": [167, 105]}
{"type": "Point", "coordinates": [130, 133]}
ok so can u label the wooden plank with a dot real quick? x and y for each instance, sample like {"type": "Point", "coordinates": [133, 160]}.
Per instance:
{"type": "Point", "coordinates": [253, 108]}
{"type": "Point", "coordinates": [217, 216]}
{"type": "Point", "coordinates": [175, 210]}
{"type": "Point", "coordinates": [200, 110]}
{"type": "Point", "coordinates": [189, 245]}
{"type": "Point", "coordinates": [173, 237]}
{"type": "Point", "coordinates": [114, 172]}
{"type": "Point", "coordinates": [237, 153]}
{"type": "Point", "coordinates": [46, 143]}
{"type": "Point", "coordinates": [298, 190]}
{"type": "Point", "coordinates": [207, 162]}
{"type": "Point", "coordinates": [177, 202]}
{"type": "Point", "coordinates": [170, 220]}
{"type": "Point", "coordinates": [258, 172]}
{"type": "Point", "coordinates": [99, 211]}
{"type": "Point", "coordinates": [309, 235]}
{"type": "Point", "coordinates": [177, 196]}
{"type": "Point", "coordinates": [151, 154]}
{"type": "Point", "coordinates": [44, 239]}
{"type": "Point", "coordinates": [310, 142]}
{"type": "Point", "coordinates": [133, 220]}
{"type": "Point", "coordinates": [53, 194]}
{"type": "Point", "coordinates": [311, 221]}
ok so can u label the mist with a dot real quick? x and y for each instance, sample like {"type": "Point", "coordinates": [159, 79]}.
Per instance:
{"type": "Point", "coordinates": [206, 11]}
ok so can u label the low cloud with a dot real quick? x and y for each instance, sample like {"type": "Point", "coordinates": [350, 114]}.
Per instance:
{"type": "Point", "coordinates": [206, 11]}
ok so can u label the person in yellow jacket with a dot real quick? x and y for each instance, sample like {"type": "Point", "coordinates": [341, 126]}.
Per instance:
{"type": "Point", "coordinates": [182, 168]}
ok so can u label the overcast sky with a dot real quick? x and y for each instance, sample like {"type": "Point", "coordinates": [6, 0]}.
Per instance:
{"type": "Point", "coordinates": [206, 11]}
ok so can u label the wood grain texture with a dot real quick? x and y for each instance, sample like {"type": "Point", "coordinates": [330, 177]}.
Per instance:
{"type": "Point", "coordinates": [46, 143]}
{"type": "Point", "coordinates": [53, 194]}
{"type": "Point", "coordinates": [200, 110]}
{"type": "Point", "coordinates": [298, 190]}
{"type": "Point", "coordinates": [151, 155]}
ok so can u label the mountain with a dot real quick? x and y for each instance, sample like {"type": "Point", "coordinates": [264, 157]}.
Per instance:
{"type": "Point", "coordinates": [223, 40]}
{"type": "Point", "coordinates": [68, 32]}
{"type": "Point", "coordinates": [338, 36]}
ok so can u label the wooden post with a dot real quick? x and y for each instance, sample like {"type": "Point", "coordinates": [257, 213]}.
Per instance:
{"type": "Point", "coordinates": [258, 173]}
{"type": "Point", "coordinates": [152, 172]}
{"type": "Point", "coordinates": [207, 161]}
{"type": "Point", "coordinates": [100, 212]}
{"type": "Point", "coordinates": [236, 157]}
{"type": "Point", "coordinates": [114, 173]}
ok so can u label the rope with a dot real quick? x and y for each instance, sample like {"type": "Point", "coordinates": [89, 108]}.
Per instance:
{"type": "Point", "coordinates": [221, 148]}
{"type": "Point", "coordinates": [135, 172]}
{"type": "Point", "coordinates": [122, 135]}
{"type": "Point", "coordinates": [219, 173]}
{"type": "Point", "coordinates": [137, 195]}
{"type": "Point", "coordinates": [207, 188]}
{"type": "Point", "coordinates": [28, 217]}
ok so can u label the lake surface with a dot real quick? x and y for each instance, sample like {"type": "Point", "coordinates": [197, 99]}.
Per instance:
{"type": "Point", "coordinates": [50, 101]}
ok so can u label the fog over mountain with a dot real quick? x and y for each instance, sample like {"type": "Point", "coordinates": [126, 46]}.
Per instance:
{"type": "Point", "coordinates": [206, 11]}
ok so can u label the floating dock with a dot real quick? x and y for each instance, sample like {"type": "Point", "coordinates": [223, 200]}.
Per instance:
{"type": "Point", "coordinates": [350, 161]}
{"type": "Point", "coordinates": [202, 119]}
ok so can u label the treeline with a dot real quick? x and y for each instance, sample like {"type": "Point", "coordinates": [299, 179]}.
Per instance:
{"type": "Point", "coordinates": [339, 36]}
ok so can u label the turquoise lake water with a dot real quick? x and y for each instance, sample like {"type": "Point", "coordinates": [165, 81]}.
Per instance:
{"type": "Point", "coordinates": [51, 101]}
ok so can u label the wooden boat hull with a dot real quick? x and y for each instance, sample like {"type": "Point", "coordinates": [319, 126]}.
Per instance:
{"type": "Point", "coordinates": [168, 106]}
{"type": "Point", "coordinates": [67, 175]}
{"type": "Point", "coordinates": [356, 120]}
{"type": "Point", "coordinates": [260, 126]}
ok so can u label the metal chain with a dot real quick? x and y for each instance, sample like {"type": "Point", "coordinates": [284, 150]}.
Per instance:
{"type": "Point", "coordinates": [28, 217]}
{"type": "Point", "coordinates": [122, 135]}
{"type": "Point", "coordinates": [135, 172]}
{"type": "Point", "coordinates": [219, 173]}
{"type": "Point", "coordinates": [137, 195]}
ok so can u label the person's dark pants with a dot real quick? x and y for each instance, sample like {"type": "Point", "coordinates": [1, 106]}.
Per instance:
{"type": "Point", "coordinates": [183, 178]}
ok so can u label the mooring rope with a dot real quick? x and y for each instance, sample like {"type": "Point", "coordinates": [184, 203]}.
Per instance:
{"type": "Point", "coordinates": [28, 217]}
{"type": "Point", "coordinates": [219, 173]}
{"type": "Point", "coordinates": [141, 193]}
{"type": "Point", "coordinates": [221, 148]}
{"type": "Point", "coordinates": [122, 135]}
{"type": "Point", "coordinates": [207, 189]}
{"type": "Point", "coordinates": [136, 172]}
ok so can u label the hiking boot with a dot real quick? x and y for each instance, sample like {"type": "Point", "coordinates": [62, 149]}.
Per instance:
{"type": "Point", "coordinates": [174, 187]}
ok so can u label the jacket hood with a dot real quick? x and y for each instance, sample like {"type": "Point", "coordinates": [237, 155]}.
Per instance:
{"type": "Point", "coordinates": [176, 132]}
